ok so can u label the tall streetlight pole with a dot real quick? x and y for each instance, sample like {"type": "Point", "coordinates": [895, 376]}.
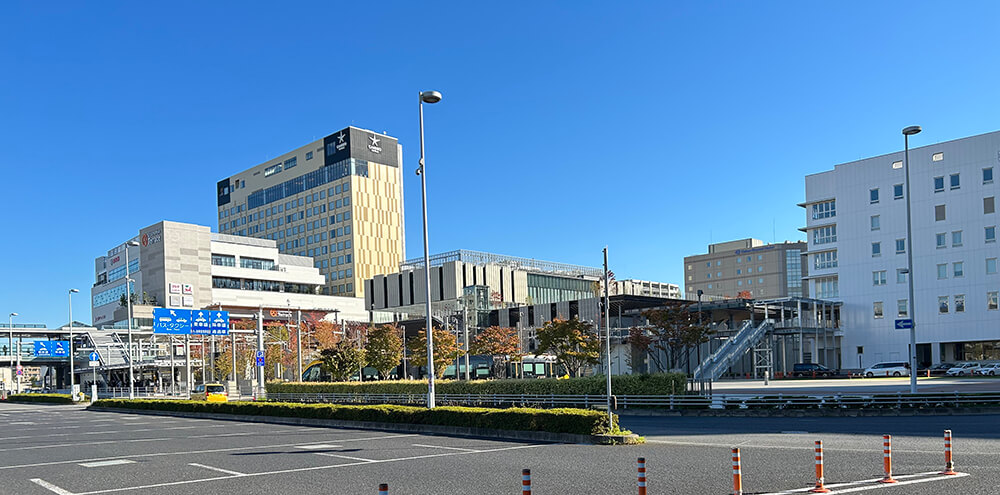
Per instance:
{"type": "Point", "coordinates": [700, 293]}
{"type": "Point", "coordinates": [907, 132]}
{"type": "Point", "coordinates": [428, 97]}
{"type": "Point", "coordinates": [128, 304]}
{"type": "Point", "coordinates": [71, 356]}
{"type": "Point", "coordinates": [10, 325]}
{"type": "Point", "coordinates": [607, 330]}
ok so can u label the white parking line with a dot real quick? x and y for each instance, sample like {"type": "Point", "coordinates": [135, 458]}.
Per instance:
{"type": "Point", "coordinates": [226, 471]}
{"type": "Point", "coordinates": [443, 447]}
{"type": "Point", "coordinates": [338, 456]}
{"type": "Point", "coordinates": [317, 447]}
{"type": "Point", "coordinates": [189, 452]}
{"type": "Point", "coordinates": [306, 469]}
{"type": "Point", "coordinates": [113, 462]}
{"type": "Point", "coordinates": [873, 484]}
{"type": "Point", "coordinates": [50, 487]}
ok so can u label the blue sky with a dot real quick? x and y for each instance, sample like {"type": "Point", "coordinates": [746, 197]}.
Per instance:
{"type": "Point", "coordinates": [652, 128]}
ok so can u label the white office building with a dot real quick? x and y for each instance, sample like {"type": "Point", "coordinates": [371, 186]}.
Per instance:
{"type": "Point", "coordinates": [857, 254]}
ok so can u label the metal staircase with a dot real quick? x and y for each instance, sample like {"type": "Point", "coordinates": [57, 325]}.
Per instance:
{"type": "Point", "coordinates": [745, 338]}
{"type": "Point", "coordinates": [110, 348]}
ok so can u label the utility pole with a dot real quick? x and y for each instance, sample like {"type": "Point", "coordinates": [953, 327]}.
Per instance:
{"type": "Point", "coordinates": [607, 329]}
{"type": "Point", "coordinates": [298, 340]}
{"type": "Point", "coordinates": [260, 348]}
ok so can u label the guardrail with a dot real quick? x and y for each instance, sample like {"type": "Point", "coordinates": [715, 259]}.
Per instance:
{"type": "Point", "coordinates": [718, 401]}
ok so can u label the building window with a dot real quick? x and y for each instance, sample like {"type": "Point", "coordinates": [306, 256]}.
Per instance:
{"type": "Point", "coordinates": [955, 182]}
{"type": "Point", "coordinates": [991, 233]}
{"type": "Point", "coordinates": [291, 162]}
{"type": "Point", "coordinates": [257, 264]}
{"type": "Point", "coordinates": [958, 269]}
{"type": "Point", "coordinates": [878, 277]}
{"type": "Point", "coordinates": [960, 303]}
{"type": "Point", "coordinates": [273, 169]}
{"type": "Point", "coordinates": [956, 238]}
{"type": "Point", "coordinates": [939, 215]}
{"type": "Point", "coordinates": [900, 246]}
{"type": "Point", "coordinates": [223, 260]}
{"type": "Point", "coordinates": [989, 205]}
{"type": "Point", "coordinates": [939, 184]}
{"type": "Point", "coordinates": [825, 209]}
{"type": "Point", "coordinates": [824, 235]}
{"type": "Point", "coordinates": [991, 266]}
{"type": "Point", "coordinates": [942, 304]}
{"type": "Point", "coordinates": [876, 249]}
{"type": "Point", "coordinates": [309, 155]}
{"type": "Point", "coordinates": [901, 275]}
{"type": "Point", "coordinates": [877, 307]}
{"type": "Point", "coordinates": [941, 240]}
{"type": "Point", "coordinates": [991, 300]}
{"type": "Point", "coordinates": [897, 191]}
{"type": "Point", "coordinates": [827, 287]}
{"type": "Point", "coordinates": [826, 259]}
{"type": "Point", "coordinates": [902, 308]}
{"type": "Point", "coordinates": [873, 195]}
{"type": "Point", "coordinates": [942, 271]}
{"type": "Point", "coordinates": [876, 223]}
{"type": "Point", "coordinates": [988, 175]}
{"type": "Point", "coordinates": [937, 156]}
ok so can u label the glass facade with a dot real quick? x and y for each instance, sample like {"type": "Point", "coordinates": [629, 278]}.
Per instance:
{"type": "Point", "coordinates": [793, 271]}
{"type": "Point", "coordinates": [307, 181]}
{"type": "Point", "coordinates": [544, 289]}
{"type": "Point", "coordinates": [119, 273]}
{"type": "Point", "coordinates": [223, 260]}
{"type": "Point", "coordinates": [109, 296]}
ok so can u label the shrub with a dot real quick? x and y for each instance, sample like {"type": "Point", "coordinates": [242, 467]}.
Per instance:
{"type": "Point", "coordinates": [654, 384]}
{"type": "Point", "coordinates": [46, 398]}
{"type": "Point", "coordinates": [576, 421]}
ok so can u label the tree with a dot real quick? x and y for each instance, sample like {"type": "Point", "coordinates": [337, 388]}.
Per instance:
{"type": "Point", "coordinates": [342, 360]}
{"type": "Point", "coordinates": [499, 342]}
{"type": "Point", "coordinates": [574, 343]}
{"type": "Point", "coordinates": [675, 328]}
{"type": "Point", "coordinates": [384, 349]}
{"type": "Point", "coordinates": [446, 350]}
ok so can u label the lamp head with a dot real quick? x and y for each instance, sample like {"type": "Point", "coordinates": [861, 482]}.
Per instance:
{"type": "Point", "coordinates": [14, 314]}
{"type": "Point", "coordinates": [913, 129]}
{"type": "Point", "coordinates": [430, 96]}
{"type": "Point", "coordinates": [133, 243]}
{"type": "Point", "coordinates": [74, 291]}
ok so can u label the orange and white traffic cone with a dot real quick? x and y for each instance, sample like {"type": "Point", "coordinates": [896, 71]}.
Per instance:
{"type": "Point", "coordinates": [737, 473]}
{"type": "Point", "coordinates": [819, 470]}
{"type": "Point", "coordinates": [887, 459]}
{"type": "Point", "coordinates": [641, 483]}
{"type": "Point", "coordinates": [949, 466]}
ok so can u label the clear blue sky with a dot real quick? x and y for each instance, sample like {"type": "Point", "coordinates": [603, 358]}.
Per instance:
{"type": "Point", "coordinates": [652, 128]}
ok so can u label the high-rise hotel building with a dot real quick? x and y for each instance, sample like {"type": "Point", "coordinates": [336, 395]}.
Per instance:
{"type": "Point", "coordinates": [338, 199]}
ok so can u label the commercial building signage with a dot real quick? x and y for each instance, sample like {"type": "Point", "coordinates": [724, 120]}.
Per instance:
{"type": "Point", "coordinates": [373, 146]}
{"type": "Point", "coordinates": [151, 237]}
{"type": "Point", "coordinates": [52, 348]}
{"type": "Point", "coordinates": [190, 322]}
{"type": "Point", "coordinates": [754, 250]}
{"type": "Point", "coordinates": [175, 288]}
{"type": "Point", "coordinates": [188, 289]}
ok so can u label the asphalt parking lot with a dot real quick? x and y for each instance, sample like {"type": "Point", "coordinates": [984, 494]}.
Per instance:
{"type": "Point", "coordinates": [70, 451]}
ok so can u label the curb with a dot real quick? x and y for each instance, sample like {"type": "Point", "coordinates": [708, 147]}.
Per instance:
{"type": "Point", "coordinates": [455, 431]}
{"type": "Point", "coordinates": [810, 413]}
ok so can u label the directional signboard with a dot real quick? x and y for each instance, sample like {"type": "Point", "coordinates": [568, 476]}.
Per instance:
{"type": "Point", "coordinates": [260, 358]}
{"type": "Point", "coordinates": [52, 348]}
{"type": "Point", "coordinates": [190, 322]}
{"type": "Point", "coordinates": [904, 324]}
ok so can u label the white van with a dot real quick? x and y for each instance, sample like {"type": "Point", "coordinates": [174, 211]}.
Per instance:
{"type": "Point", "coordinates": [895, 368]}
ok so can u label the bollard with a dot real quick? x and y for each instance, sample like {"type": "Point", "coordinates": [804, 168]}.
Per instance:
{"type": "Point", "coordinates": [887, 459]}
{"type": "Point", "coordinates": [642, 476]}
{"type": "Point", "coordinates": [383, 489]}
{"type": "Point", "coordinates": [525, 482]}
{"type": "Point", "coordinates": [819, 470]}
{"type": "Point", "coordinates": [949, 466]}
{"type": "Point", "coordinates": [737, 473]}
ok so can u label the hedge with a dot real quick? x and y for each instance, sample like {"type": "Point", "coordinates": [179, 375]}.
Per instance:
{"type": "Point", "coordinates": [655, 384]}
{"type": "Point", "coordinates": [575, 421]}
{"type": "Point", "coordinates": [47, 398]}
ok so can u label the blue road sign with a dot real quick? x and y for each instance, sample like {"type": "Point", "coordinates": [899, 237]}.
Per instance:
{"type": "Point", "coordinates": [172, 321]}
{"type": "Point", "coordinates": [51, 348]}
{"type": "Point", "coordinates": [260, 358]}
{"type": "Point", "coordinates": [94, 356]}
{"type": "Point", "coordinates": [219, 322]}
{"type": "Point", "coordinates": [205, 322]}
{"type": "Point", "coordinates": [904, 324]}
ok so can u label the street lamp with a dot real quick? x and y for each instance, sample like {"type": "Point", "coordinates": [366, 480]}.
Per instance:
{"type": "Point", "coordinates": [907, 132]}
{"type": "Point", "coordinates": [10, 325]}
{"type": "Point", "coordinates": [700, 293]}
{"type": "Point", "coordinates": [428, 97]}
{"type": "Point", "coordinates": [128, 305]}
{"type": "Point", "coordinates": [71, 379]}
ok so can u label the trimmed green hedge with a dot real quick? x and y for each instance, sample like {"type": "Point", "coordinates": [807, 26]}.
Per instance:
{"type": "Point", "coordinates": [576, 421]}
{"type": "Point", "coordinates": [656, 384]}
{"type": "Point", "coordinates": [47, 398]}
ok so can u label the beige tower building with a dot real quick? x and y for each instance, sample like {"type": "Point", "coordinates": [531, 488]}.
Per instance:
{"type": "Point", "coordinates": [338, 200]}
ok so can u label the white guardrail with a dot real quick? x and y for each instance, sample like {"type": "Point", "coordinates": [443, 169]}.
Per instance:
{"type": "Point", "coordinates": [717, 401]}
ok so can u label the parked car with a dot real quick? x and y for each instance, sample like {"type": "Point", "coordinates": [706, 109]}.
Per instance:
{"type": "Point", "coordinates": [940, 369]}
{"type": "Point", "coordinates": [813, 369]}
{"type": "Point", "coordinates": [895, 368]}
{"type": "Point", "coordinates": [216, 392]}
{"type": "Point", "coordinates": [963, 369]}
{"type": "Point", "coordinates": [991, 368]}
